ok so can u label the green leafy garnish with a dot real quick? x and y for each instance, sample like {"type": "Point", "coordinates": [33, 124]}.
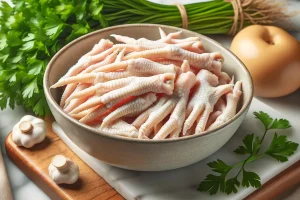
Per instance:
{"type": "Point", "coordinates": [280, 149]}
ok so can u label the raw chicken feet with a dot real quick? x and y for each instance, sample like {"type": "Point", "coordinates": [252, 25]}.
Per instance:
{"type": "Point", "coordinates": [203, 101]}
{"type": "Point", "coordinates": [230, 110]}
{"type": "Point", "coordinates": [176, 105]}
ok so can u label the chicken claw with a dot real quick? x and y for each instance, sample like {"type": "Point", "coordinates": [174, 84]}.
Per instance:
{"type": "Point", "coordinates": [137, 67]}
{"type": "Point", "coordinates": [90, 59]}
{"type": "Point", "coordinates": [174, 124]}
{"type": "Point", "coordinates": [71, 87]}
{"type": "Point", "coordinates": [210, 61]}
{"type": "Point", "coordinates": [120, 128]}
{"type": "Point", "coordinates": [121, 55]}
{"type": "Point", "coordinates": [203, 101]}
{"type": "Point", "coordinates": [131, 109]}
{"type": "Point", "coordinates": [144, 116]}
{"type": "Point", "coordinates": [134, 86]}
{"type": "Point", "coordinates": [230, 110]}
{"type": "Point", "coordinates": [76, 102]}
{"type": "Point", "coordinates": [175, 104]}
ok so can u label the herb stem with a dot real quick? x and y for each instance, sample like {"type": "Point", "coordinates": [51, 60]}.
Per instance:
{"type": "Point", "coordinates": [262, 139]}
{"type": "Point", "coordinates": [249, 159]}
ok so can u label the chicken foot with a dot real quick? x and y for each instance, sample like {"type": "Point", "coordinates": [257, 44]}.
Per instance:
{"type": "Point", "coordinates": [176, 105]}
{"type": "Point", "coordinates": [230, 110]}
{"type": "Point", "coordinates": [131, 109]}
{"type": "Point", "coordinates": [131, 86]}
{"type": "Point", "coordinates": [208, 61]}
{"type": "Point", "coordinates": [203, 101]}
{"type": "Point", "coordinates": [136, 67]}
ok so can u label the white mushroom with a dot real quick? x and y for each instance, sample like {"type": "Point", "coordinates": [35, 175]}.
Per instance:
{"type": "Point", "coordinates": [63, 170]}
{"type": "Point", "coordinates": [29, 131]}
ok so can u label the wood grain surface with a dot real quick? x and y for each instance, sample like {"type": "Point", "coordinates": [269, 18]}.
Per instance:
{"type": "Point", "coordinates": [34, 163]}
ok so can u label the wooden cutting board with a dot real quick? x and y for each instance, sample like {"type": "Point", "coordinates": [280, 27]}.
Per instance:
{"type": "Point", "coordinates": [34, 163]}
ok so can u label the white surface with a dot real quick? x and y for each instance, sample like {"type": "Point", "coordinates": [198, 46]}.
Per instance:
{"type": "Point", "coordinates": [183, 182]}
{"type": "Point", "coordinates": [22, 186]}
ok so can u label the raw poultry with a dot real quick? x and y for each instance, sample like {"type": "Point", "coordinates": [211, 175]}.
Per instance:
{"type": "Point", "coordinates": [150, 89]}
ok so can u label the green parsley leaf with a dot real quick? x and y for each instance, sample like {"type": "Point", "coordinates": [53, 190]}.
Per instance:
{"type": "Point", "coordinates": [280, 124]}
{"type": "Point", "coordinates": [231, 185]}
{"type": "Point", "coordinates": [36, 67]}
{"type": "Point", "coordinates": [219, 166]}
{"type": "Point", "coordinates": [18, 57]}
{"type": "Point", "coordinates": [30, 89]}
{"type": "Point", "coordinates": [251, 145]}
{"type": "Point", "coordinates": [264, 118]}
{"type": "Point", "coordinates": [13, 38]}
{"type": "Point", "coordinates": [3, 57]}
{"type": "Point", "coordinates": [250, 178]}
{"type": "Point", "coordinates": [281, 148]}
{"type": "Point", "coordinates": [5, 9]}
{"type": "Point", "coordinates": [96, 7]}
{"type": "Point", "coordinates": [29, 37]}
{"type": "Point", "coordinates": [212, 184]}
{"type": "Point", "coordinates": [13, 78]}
{"type": "Point", "coordinates": [3, 41]}
{"type": "Point", "coordinates": [27, 46]}
{"type": "Point", "coordinates": [41, 107]}
{"type": "Point", "coordinates": [54, 26]}
{"type": "Point", "coordinates": [64, 10]}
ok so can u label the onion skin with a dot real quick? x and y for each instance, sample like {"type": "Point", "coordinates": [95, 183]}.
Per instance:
{"type": "Point", "coordinates": [273, 58]}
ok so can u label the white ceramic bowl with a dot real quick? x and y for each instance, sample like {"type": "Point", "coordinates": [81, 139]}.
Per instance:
{"type": "Point", "coordinates": [134, 154]}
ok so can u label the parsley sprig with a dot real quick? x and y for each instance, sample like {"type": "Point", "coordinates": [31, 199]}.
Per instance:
{"type": "Point", "coordinates": [280, 149]}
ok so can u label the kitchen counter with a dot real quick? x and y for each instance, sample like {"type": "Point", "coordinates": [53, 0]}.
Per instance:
{"type": "Point", "coordinates": [24, 189]}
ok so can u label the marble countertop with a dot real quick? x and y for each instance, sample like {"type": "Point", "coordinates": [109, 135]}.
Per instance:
{"type": "Point", "coordinates": [22, 186]}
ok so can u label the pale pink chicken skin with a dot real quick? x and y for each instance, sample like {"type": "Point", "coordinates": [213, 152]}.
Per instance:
{"type": "Point", "coordinates": [99, 89]}
{"type": "Point", "coordinates": [75, 102]}
{"type": "Point", "coordinates": [116, 92]}
{"type": "Point", "coordinates": [121, 55]}
{"type": "Point", "coordinates": [71, 87]}
{"type": "Point", "coordinates": [171, 38]}
{"type": "Point", "coordinates": [135, 67]}
{"type": "Point", "coordinates": [203, 101]}
{"type": "Point", "coordinates": [174, 104]}
{"type": "Point", "coordinates": [220, 105]}
{"type": "Point", "coordinates": [224, 78]}
{"type": "Point", "coordinates": [138, 64]}
{"type": "Point", "coordinates": [89, 59]}
{"type": "Point", "coordinates": [193, 46]}
{"type": "Point", "coordinates": [173, 126]}
{"type": "Point", "coordinates": [120, 128]}
{"type": "Point", "coordinates": [210, 61]}
{"type": "Point", "coordinates": [144, 116]}
{"type": "Point", "coordinates": [165, 40]}
{"type": "Point", "coordinates": [231, 107]}
{"type": "Point", "coordinates": [131, 109]}
{"type": "Point", "coordinates": [131, 86]}
{"type": "Point", "coordinates": [92, 114]}
{"type": "Point", "coordinates": [103, 44]}
{"type": "Point", "coordinates": [108, 60]}
{"type": "Point", "coordinates": [82, 114]}
{"type": "Point", "coordinates": [168, 62]}
{"type": "Point", "coordinates": [218, 109]}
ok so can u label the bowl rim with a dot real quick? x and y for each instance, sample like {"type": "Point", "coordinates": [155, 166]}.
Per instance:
{"type": "Point", "coordinates": [116, 137]}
